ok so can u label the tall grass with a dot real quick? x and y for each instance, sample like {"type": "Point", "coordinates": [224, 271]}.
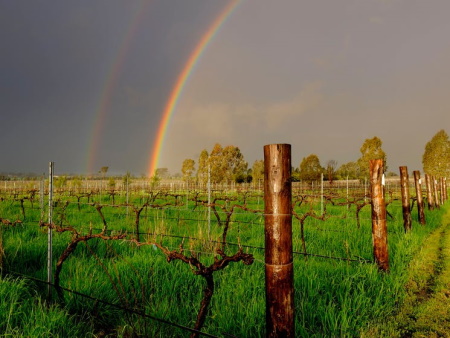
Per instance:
{"type": "Point", "coordinates": [333, 297]}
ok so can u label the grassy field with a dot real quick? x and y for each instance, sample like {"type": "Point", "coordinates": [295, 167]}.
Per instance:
{"type": "Point", "coordinates": [338, 291]}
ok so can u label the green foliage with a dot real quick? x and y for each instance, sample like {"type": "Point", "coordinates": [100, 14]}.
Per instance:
{"type": "Point", "coordinates": [225, 165]}
{"type": "Point", "coordinates": [126, 179]}
{"type": "Point", "coordinates": [436, 158]}
{"type": "Point", "coordinates": [60, 181]}
{"type": "Point", "coordinates": [370, 150]}
{"type": "Point", "coordinates": [333, 297]}
{"type": "Point", "coordinates": [258, 171]}
{"type": "Point", "coordinates": [111, 183]}
{"type": "Point", "coordinates": [310, 168]}
{"type": "Point", "coordinates": [23, 314]}
{"type": "Point", "coordinates": [348, 170]}
{"type": "Point", "coordinates": [187, 169]}
{"type": "Point", "coordinates": [162, 172]}
{"type": "Point", "coordinates": [202, 172]}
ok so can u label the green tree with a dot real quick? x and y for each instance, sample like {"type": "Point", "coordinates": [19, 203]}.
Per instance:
{"type": "Point", "coordinates": [162, 173]}
{"type": "Point", "coordinates": [258, 171]}
{"type": "Point", "coordinates": [233, 165]}
{"type": "Point", "coordinates": [60, 181]}
{"type": "Point", "coordinates": [187, 169]}
{"type": "Point", "coordinates": [331, 170]}
{"type": "Point", "coordinates": [349, 169]}
{"type": "Point", "coordinates": [436, 158]}
{"type": "Point", "coordinates": [225, 165]}
{"type": "Point", "coordinates": [203, 163]}
{"type": "Point", "coordinates": [370, 150]}
{"type": "Point", "coordinates": [126, 179]}
{"type": "Point", "coordinates": [103, 171]}
{"type": "Point", "coordinates": [310, 168]}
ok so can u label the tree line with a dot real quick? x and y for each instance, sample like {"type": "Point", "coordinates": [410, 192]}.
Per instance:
{"type": "Point", "coordinates": [227, 164]}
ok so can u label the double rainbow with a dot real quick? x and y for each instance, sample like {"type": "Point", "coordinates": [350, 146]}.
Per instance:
{"type": "Point", "coordinates": [181, 82]}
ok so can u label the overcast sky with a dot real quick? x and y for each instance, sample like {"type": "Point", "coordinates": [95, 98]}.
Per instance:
{"type": "Point", "coordinates": [90, 78]}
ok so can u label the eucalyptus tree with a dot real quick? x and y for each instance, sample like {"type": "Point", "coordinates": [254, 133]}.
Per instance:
{"type": "Point", "coordinates": [370, 150]}
{"type": "Point", "coordinates": [187, 169]}
{"type": "Point", "coordinates": [436, 158]}
{"type": "Point", "coordinates": [310, 168]}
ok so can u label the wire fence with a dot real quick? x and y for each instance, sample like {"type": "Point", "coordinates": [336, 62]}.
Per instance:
{"type": "Point", "coordinates": [329, 223]}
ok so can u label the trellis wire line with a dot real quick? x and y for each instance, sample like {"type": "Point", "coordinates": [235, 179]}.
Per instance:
{"type": "Point", "coordinates": [140, 313]}
{"type": "Point", "coordinates": [361, 260]}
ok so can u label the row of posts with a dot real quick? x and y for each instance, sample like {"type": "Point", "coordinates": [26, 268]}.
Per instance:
{"type": "Point", "coordinates": [279, 271]}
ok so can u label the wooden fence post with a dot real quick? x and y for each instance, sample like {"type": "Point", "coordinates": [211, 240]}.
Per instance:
{"type": "Point", "coordinates": [404, 182]}
{"type": "Point", "coordinates": [420, 211]}
{"type": "Point", "coordinates": [278, 241]}
{"type": "Point", "coordinates": [434, 183]}
{"type": "Point", "coordinates": [430, 192]}
{"type": "Point", "coordinates": [379, 227]}
{"type": "Point", "coordinates": [445, 189]}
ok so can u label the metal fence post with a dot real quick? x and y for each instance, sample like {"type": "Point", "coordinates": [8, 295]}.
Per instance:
{"type": "Point", "coordinates": [49, 229]}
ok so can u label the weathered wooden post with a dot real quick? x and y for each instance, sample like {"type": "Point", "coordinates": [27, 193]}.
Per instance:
{"type": "Point", "coordinates": [404, 182]}
{"type": "Point", "coordinates": [434, 183]}
{"type": "Point", "coordinates": [379, 227]}
{"type": "Point", "coordinates": [441, 187]}
{"type": "Point", "coordinates": [278, 241]}
{"type": "Point", "coordinates": [430, 192]}
{"type": "Point", "coordinates": [418, 185]}
{"type": "Point", "coordinates": [445, 189]}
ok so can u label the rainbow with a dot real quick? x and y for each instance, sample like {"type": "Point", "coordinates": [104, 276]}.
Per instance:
{"type": "Point", "coordinates": [181, 82]}
{"type": "Point", "coordinates": [110, 84]}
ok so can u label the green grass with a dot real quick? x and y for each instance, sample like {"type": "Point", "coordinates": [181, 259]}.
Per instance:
{"type": "Point", "coordinates": [332, 297]}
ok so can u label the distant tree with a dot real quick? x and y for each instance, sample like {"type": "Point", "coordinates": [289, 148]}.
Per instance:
{"type": "Point", "coordinates": [217, 164]}
{"type": "Point", "coordinates": [111, 183]}
{"type": "Point", "coordinates": [126, 179]}
{"type": "Point", "coordinates": [154, 180]}
{"type": "Point", "coordinates": [331, 170]}
{"type": "Point", "coordinates": [436, 158]}
{"type": "Point", "coordinates": [234, 165]}
{"type": "Point", "coordinates": [60, 181]}
{"type": "Point", "coordinates": [76, 182]}
{"type": "Point", "coordinates": [391, 174]}
{"type": "Point", "coordinates": [103, 171]}
{"type": "Point", "coordinates": [258, 171]}
{"type": "Point", "coordinates": [310, 168]}
{"type": "Point", "coordinates": [370, 150]}
{"type": "Point", "coordinates": [203, 164]}
{"type": "Point", "coordinates": [187, 169]}
{"type": "Point", "coordinates": [162, 173]}
{"type": "Point", "coordinates": [348, 170]}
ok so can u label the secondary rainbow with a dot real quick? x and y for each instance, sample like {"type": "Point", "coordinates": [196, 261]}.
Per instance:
{"type": "Point", "coordinates": [109, 86]}
{"type": "Point", "coordinates": [181, 82]}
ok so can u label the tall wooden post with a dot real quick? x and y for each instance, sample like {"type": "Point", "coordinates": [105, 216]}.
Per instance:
{"type": "Point", "coordinates": [404, 182]}
{"type": "Point", "coordinates": [278, 241]}
{"type": "Point", "coordinates": [379, 227]}
{"type": "Point", "coordinates": [445, 189]}
{"type": "Point", "coordinates": [418, 185]}
{"type": "Point", "coordinates": [430, 192]}
{"type": "Point", "coordinates": [434, 183]}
